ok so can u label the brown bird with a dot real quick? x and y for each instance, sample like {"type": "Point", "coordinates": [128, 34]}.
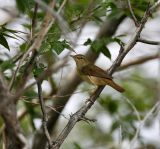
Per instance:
{"type": "Point", "coordinates": [93, 74]}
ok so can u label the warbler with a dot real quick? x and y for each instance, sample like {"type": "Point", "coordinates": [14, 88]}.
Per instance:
{"type": "Point", "coordinates": [93, 74]}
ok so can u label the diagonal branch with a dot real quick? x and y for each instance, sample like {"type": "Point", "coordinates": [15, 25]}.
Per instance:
{"type": "Point", "coordinates": [12, 134]}
{"type": "Point", "coordinates": [132, 14]}
{"type": "Point", "coordinates": [138, 61]}
{"type": "Point", "coordinates": [44, 114]}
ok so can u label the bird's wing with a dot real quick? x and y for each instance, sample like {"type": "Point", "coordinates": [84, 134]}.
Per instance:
{"type": "Point", "coordinates": [93, 70]}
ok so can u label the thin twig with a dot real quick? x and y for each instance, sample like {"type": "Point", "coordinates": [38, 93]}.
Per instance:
{"type": "Point", "coordinates": [44, 114]}
{"type": "Point", "coordinates": [148, 115]}
{"type": "Point", "coordinates": [148, 41]}
{"type": "Point", "coordinates": [132, 14]}
{"type": "Point", "coordinates": [57, 96]}
{"type": "Point", "coordinates": [138, 61]}
{"type": "Point", "coordinates": [134, 108]}
{"type": "Point", "coordinates": [33, 25]}
{"type": "Point", "coordinates": [50, 107]}
{"type": "Point", "coordinates": [62, 5]}
{"type": "Point", "coordinates": [155, 6]}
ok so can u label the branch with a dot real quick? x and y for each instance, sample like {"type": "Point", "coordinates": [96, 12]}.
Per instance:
{"type": "Point", "coordinates": [44, 122]}
{"type": "Point", "coordinates": [12, 134]}
{"type": "Point", "coordinates": [147, 116]}
{"type": "Point", "coordinates": [148, 41]}
{"type": "Point", "coordinates": [33, 25]}
{"type": "Point", "coordinates": [138, 61]}
{"type": "Point", "coordinates": [80, 114]}
{"type": "Point", "coordinates": [155, 6]}
{"type": "Point", "coordinates": [132, 14]}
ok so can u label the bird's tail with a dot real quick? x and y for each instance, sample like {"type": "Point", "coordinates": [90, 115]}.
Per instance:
{"type": "Point", "coordinates": [116, 86]}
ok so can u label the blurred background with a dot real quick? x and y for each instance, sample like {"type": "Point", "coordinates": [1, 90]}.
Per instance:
{"type": "Point", "coordinates": [123, 121]}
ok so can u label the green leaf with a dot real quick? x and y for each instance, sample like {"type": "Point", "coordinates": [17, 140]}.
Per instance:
{"type": "Point", "coordinates": [4, 34]}
{"type": "Point", "coordinates": [23, 47]}
{"type": "Point", "coordinates": [59, 46]}
{"type": "Point", "coordinates": [7, 65]}
{"type": "Point", "coordinates": [21, 4]}
{"type": "Point", "coordinates": [118, 41]}
{"type": "Point", "coordinates": [45, 47]}
{"type": "Point", "coordinates": [54, 33]}
{"type": "Point", "coordinates": [97, 19]}
{"type": "Point", "coordinates": [109, 104]}
{"type": "Point", "coordinates": [26, 6]}
{"type": "Point", "coordinates": [38, 70]}
{"type": "Point", "coordinates": [77, 146]}
{"type": "Point", "coordinates": [99, 45]}
{"type": "Point", "coordinates": [52, 42]}
{"type": "Point", "coordinates": [4, 42]}
{"type": "Point", "coordinates": [88, 42]}
{"type": "Point", "coordinates": [4, 29]}
{"type": "Point", "coordinates": [106, 52]}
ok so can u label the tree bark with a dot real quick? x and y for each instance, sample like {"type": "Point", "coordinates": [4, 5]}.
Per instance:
{"type": "Point", "coordinates": [13, 138]}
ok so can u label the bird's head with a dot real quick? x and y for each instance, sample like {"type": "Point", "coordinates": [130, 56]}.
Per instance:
{"type": "Point", "coordinates": [80, 60]}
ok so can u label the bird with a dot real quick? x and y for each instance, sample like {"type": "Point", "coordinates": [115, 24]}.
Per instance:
{"type": "Point", "coordinates": [94, 74]}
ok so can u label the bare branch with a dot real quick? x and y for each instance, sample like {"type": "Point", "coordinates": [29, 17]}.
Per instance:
{"type": "Point", "coordinates": [148, 41]}
{"type": "Point", "coordinates": [44, 119]}
{"type": "Point", "coordinates": [148, 115]}
{"type": "Point", "coordinates": [155, 6]}
{"type": "Point", "coordinates": [138, 61]}
{"type": "Point", "coordinates": [132, 14]}
{"type": "Point", "coordinates": [34, 20]}
{"type": "Point", "coordinates": [12, 133]}
{"type": "Point", "coordinates": [62, 6]}
{"type": "Point", "coordinates": [50, 107]}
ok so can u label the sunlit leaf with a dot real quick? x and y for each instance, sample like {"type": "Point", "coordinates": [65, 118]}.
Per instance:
{"type": "Point", "coordinates": [4, 42]}
{"type": "Point", "coordinates": [7, 65]}
{"type": "Point", "coordinates": [88, 42]}
{"type": "Point", "coordinates": [76, 146]}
